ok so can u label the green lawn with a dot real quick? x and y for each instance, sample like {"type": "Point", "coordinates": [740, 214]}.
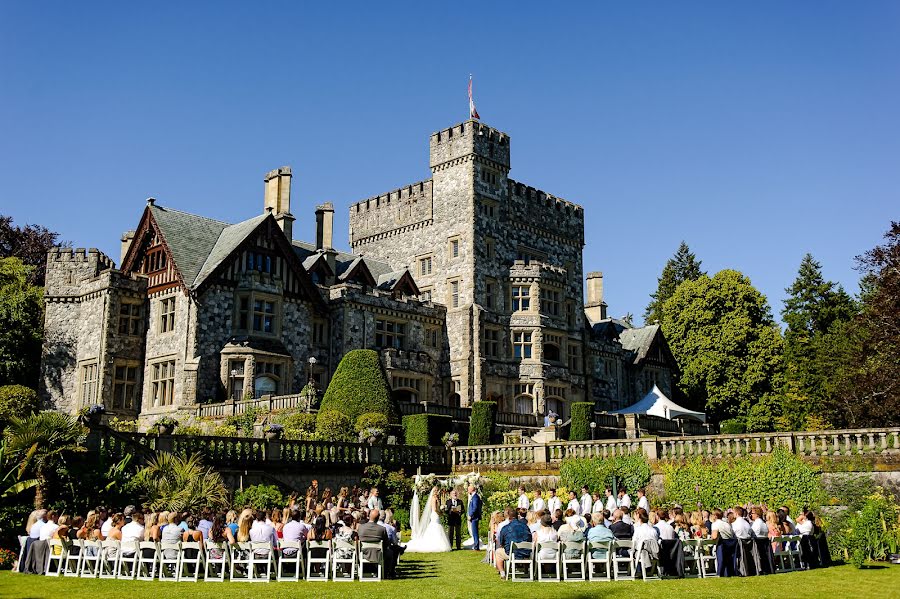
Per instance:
{"type": "Point", "coordinates": [460, 574]}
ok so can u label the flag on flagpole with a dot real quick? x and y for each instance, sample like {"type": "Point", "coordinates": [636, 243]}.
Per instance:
{"type": "Point", "coordinates": [473, 113]}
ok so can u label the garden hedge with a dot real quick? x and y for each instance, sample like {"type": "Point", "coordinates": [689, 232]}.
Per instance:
{"type": "Point", "coordinates": [481, 425]}
{"type": "Point", "coordinates": [371, 420]}
{"type": "Point", "coordinates": [630, 471]}
{"type": "Point", "coordinates": [334, 426]}
{"type": "Point", "coordinates": [359, 386]}
{"type": "Point", "coordinates": [425, 429]}
{"type": "Point", "coordinates": [580, 428]}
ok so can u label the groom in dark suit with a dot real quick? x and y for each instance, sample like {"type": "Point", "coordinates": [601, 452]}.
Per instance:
{"type": "Point", "coordinates": [474, 515]}
{"type": "Point", "coordinates": [453, 508]}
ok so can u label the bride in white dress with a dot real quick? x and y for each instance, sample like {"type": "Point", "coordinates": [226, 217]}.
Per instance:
{"type": "Point", "coordinates": [428, 535]}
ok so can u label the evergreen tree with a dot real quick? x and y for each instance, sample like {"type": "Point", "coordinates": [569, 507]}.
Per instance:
{"type": "Point", "coordinates": [681, 267]}
{"type": "Point", "coordinates": [728, 348]}
{"type": "Point", "coordinates": [813, 308]}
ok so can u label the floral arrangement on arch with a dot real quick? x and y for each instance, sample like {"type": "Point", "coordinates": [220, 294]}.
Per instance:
{"type": "Point", "coordinates": [472, 478]}
{"type": "Point", "coordinates": [424, 482]}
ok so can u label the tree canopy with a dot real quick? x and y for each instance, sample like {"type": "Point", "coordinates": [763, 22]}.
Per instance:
{"type": "Point", "coordinates": [728, 348]}
{"type": "Point", "coordinates": [30, 244]}
{"type": "Point", "coordinates": [21, 324]}
{"type": "Point", "coordinates": [681, 267]}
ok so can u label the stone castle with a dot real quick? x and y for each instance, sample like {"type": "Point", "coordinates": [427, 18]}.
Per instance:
{"type": "Point", "coordinates": [469, 284]}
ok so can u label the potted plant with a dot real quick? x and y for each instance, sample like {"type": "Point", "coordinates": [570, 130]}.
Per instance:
{"type": "Point", "coordinates": [371, 435]}
{"type": "Point", "coordinates": [450, 440]}
{"type": "Point", "coordinates": [166, 425]}
{"type": "Point", "coordinates": [90, 415]}
{"type": "Point", "coordinates": [274, 432]}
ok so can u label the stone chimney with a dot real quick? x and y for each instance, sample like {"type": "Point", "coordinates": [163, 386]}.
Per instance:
{"type": "Point", "coordinates": [127, 238]}
{"type": "Point", "coordinates": [595, 307]}
{"type": "Point", "coordinates": [278, 198]}
{"type": "Point", "coordinates": [324, 226]}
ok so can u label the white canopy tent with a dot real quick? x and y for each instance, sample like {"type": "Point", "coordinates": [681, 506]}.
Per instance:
{"type": "Point", "coordinates": [656, 403]}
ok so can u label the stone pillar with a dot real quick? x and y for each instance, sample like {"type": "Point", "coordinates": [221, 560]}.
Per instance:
{"type": "Point", "coordinates": [631, 426]}
{"type": "Point", "coordinates": [650, 448]}
{"type": "Point", "coordinates": [541, 454]}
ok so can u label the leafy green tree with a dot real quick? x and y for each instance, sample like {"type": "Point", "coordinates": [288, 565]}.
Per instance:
{"type": "Point", "coordinates": [359, 386]}
{"type": "Point", "coordinates": [21, 324]}
{"type": "Point", "coordinates": [728, 348]}
{"type": "Point", "coordinates": [37, 443]}
{"type": "Point", "coordinates": [174, 483]}
{"type": "Point", "coordinates": [260, 497]}
{"type": "Point", "coordinates": [16, 400]}
{"type": "Point", "coordinates": [29, 244]}
{"type": "Point", "coordinates": [812, 309]}
{"type": "Point", "coordinates": [681, 267]}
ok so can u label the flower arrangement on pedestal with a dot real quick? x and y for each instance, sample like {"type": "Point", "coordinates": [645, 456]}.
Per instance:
{"type": "Point", "coordinates": [166, 425]}
{"type": "Point", "coordinates": [273, 431]}
{"type": "Point", "coordinates": [371, 435]}
{"type": "Point", "coordinates": [450, 440]}
{"type": "Point", "coordinates": [91, 414]}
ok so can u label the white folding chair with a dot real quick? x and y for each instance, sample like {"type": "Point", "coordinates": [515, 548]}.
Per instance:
{"type": "Point", "coordinates": [363, 562]}
{"type": "Point", "coordinates": [599, 568]}
{"type": "Point", "coordinates": [573, 567]}
{"type": "Point", "coordinates": [262, 557]}
{"type": "Point", "coordinates": [240, 563]}
{"type": "Point", "coordinates": [191, 561]}
{"type": "Point", "coordinates": [90, 560]}
{"type": "Point", "coordinates": [647, 565]}
{"type": "Point", "coordinates": [23, 539]}
{"type": "Point", "coordinates": [110, 554]}
{"type": "Point", "coordinates": [217, 560]}
{"type": "Point", "coordinates": [56, 557]}
{"type": "Point", "coordinates": [291, 556]}
{"type": "Point", "coordinates": [623, 565]}
{"type": "Point", "coordinates": [544, 564]}
{"type": "Point", "coordinates": [169, 561]}
{"type": "Point", "coordinates": [526, 564]}
{"type": "Point", "coordinates": [340, 558]}
{"type": "Point", "coordinates": [792, 546]}
{"type": "Point", "coordinates": [130, 557]}
{"type": "Point", "coordinates": [148, 555]}
{"type": "Point", "coordinates": [708, 558]}
{"type": "Point", "coordinates": [72, 563]}
{"type": "Point", "coordinates": [783, 562]}
{"type": "Point", "coordinates": [692, 558]}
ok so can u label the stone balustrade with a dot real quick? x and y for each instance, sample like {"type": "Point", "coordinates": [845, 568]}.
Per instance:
{"type": "Point", "coordinates": [266, 403]}
{"type": "Point", "coordinates": [493, 455]}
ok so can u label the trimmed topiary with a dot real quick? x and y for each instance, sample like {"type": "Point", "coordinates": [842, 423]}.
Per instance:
{"type": "Point", "coordinates": [580, 428]}
{"type": "Point", "coordinates": [426, 429]}
{"type": "Point", "coordinates": [332, 425]}
{"type": "Point", "coordinates": [359, 386]}
{"type": "Point", "coordinates": [371, 420]}
{"type": "Point", "coordinates": [481, 426]}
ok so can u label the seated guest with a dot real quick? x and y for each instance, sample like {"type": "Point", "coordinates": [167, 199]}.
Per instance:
{"type": "Point", "coordinates": [261, 532]}
{"type": "Point", "coordinates": [805, 526]}
{"type": "Point", "coordinates": [773, 528]}
{"type": "Point", "coordinates": [545, 533]}
{"type": "Point", "coordinates": [219, 533]}
{"type": "Point", "coordinates": [295, 529]}
{"type": "Point", "coordinates": [205, 522]}
{"type": "Point", "coordinates": [558, 520]}
{"type": "Point", "coordinates": [572, 532]}
{"type": "Point", "coordinates": [740, 526]}
{"type": "Point", "coordinates": [192, 535]}
{"type": "Point", "coordinates": [698, 528]}
{"type": "Point", "coordinates": [666, 531]}
{"type": "Point", "coordinates": [531, 519]}
{"type": "Point", "coordinates": [371, 532]}
{"type": "Point", "coordinates": [619, 528]}
{"type": "Point", "coordinates": [626, 515]}
{"type": "Point", "coordinates": [133, 532]}
{"type": "Point", "coordinates": [348, 535]}
{"type": "Point", "coordinates": [607, 518]}
{"type": "Point", "coordinates": [682, 528]}
{"type": "Point", "coordinates": [171, 533]}
{"type": "Point", "coordinates": [49, 527]}
{"type": "Point", "coordinates": [231, 522]}
{"type": "Point", "coordinates": [599, 533]}
{"type": "Point", "coordinates": [706, 520]}
{"type": "Point", "coordinates": [61, 532]}
{"type": "Point", "coordinates": [75, 527]}
{"type": "Point", "coordinates": [721, 529]}
{"type": "Point", "coordinates": [642, 529]}
{"type": "Point", "coordinates": [515, 531]}
{"type": "Point", "coordinates": [758, 526]}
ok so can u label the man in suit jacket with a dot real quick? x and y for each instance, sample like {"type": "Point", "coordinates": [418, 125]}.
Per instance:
{"type": "Point", "coordinates": [371, 532]}
{"type": "Point", "coordinates": [453, 509]}
{"type": "Point", "coordinates": [474, 515]}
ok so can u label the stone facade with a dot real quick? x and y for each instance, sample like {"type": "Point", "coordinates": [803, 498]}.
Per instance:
{"type": "Point", "coordinates": [470, 284]}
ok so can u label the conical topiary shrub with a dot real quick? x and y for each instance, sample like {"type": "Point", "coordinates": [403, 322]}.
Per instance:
{"type": "Point", "coordinates": [358, 387]}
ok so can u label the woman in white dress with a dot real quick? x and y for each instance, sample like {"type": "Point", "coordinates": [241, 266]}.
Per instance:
{"type": "Point", "coordinates": [428, 535]}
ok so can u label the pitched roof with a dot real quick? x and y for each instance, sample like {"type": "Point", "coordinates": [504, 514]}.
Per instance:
{"type": "Point", "coordinates": [190, 238]}
{"type": "Point", "coordinates": [639, 340]}
{"type": "Point", "coordinates": [229, 239]}
{"type": "Point", "coordinates": [344, 262]}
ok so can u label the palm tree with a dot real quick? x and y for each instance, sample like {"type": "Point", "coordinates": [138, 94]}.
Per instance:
{"type": "Point", "coordinates": [174, 483]}
{"type": "Point", "coordinates": [37, 443]}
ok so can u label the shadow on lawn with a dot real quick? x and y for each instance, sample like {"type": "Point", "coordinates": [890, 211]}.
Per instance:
{"type": "Point", "coordinates": [417, 570]}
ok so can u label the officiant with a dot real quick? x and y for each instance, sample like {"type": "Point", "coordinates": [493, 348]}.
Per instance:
{"type": "Point", "coordinates": [453, 508]}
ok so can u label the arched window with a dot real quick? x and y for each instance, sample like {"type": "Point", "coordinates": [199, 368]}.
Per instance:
{"type": "Point", "coordinates": [453, 400]}
{"type": "Point", "coordinates": [524, 404]}
{"type": "Point", "coordinates": [265, 385]}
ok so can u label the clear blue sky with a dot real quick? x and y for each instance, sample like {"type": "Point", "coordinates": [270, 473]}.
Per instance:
{"type": "Point", "coordinates": [756, 132]}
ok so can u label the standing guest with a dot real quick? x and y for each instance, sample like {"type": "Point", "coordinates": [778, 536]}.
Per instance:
{"type": "Point", "coordinates": [374, 502]}
{"type": "Point", "coordinates": [611, 503]}
{"type": "Point", "coordinates": [523, 502]}
{"type": "Point", "coordinates": [454, 509]}
{"type": "Point", "coordinates": [642, 500]}
{"type": "Point", "coordinates": [312, 497]}
{"type": "Point", "coordinates": [721, 529]}
{"type": "Point", "coordinates": [327, 498]}
{"type": "Point", "coordinates": [515, 531]}
{"type": "Point", "coordinates": [133, 531]}
{"type": "Point", "coordinates": [624, 500]}
{"type": "Point", "coordinates": [740, 526]}
{"type": "Point", "coordinates": [621, 529]}
{"type": "Point", "coordinates": [666, 531]}
{"type": "Point", "coordinates": [758, 525]}
{"type": "Point", "coordinates": [538, 505]}
{"type": "Point", "coordinates": [473, 515]}
{"type": "Point", "coordinates": [205, 523]}
{"type": "Point", "coordinates": [598, 505]}
{"type": "Point", "coordinates": [49, 527]}
{"type": "Point", "coordinates": [585, 502]}
{"type": "Point", "coordinates": [573, 504]}
{"type": "Point", "coordinates": [343, 501]}
{"type": "Point", "coordinates": [371, 532]}
{"type": "Point", "coordinates": [553, 502]}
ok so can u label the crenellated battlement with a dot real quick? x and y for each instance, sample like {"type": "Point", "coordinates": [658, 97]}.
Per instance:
{"type": "Point", "coordinates": [80, 255]}
{"type": "Point", "coordinates": [468, 138]}
{"type": "Point", "coordinates": [536, 197]}
{"type": "Point", "coordinates": [412, 192]}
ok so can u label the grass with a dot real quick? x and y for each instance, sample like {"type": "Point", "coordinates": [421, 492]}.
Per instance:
{"type": "Point", "coordinates": [460, 574]}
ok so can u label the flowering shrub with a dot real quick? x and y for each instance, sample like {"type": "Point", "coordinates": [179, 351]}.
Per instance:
{"type": "Point", "coordinates": [124, 426]}
{"type": "Point", "coordinates": [7, 559]}
{"type": "Point", "coordinates": [166, 421]}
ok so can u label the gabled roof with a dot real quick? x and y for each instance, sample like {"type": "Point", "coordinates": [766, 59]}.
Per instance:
{"type": "Point", "coordinates": [316, 260]}
{"type": "Point", "coordinates": [400, 279]}
{"type": "Point", "coordinates": [229, 239]}
{"type": "Point", "coordinates": [190, 239]}
{"type": "Point", "coordinates": [357, 269]}
{"type": "Point", "coordinates": [639, 340]}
